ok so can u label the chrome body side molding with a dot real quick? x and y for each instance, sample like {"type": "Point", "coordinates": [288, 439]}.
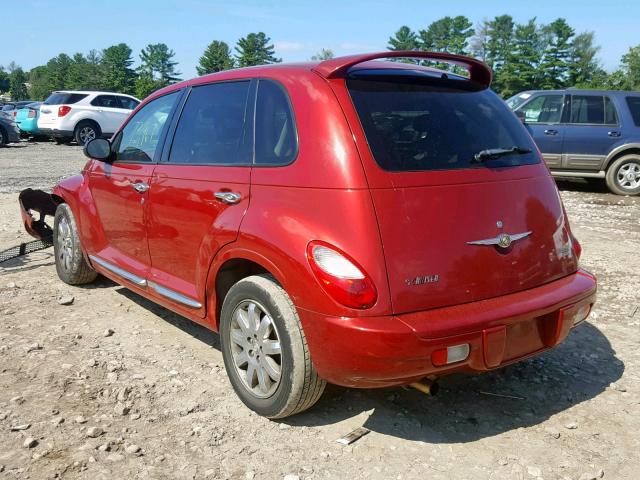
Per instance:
{"type": "Point", "coordinates": [139, 281]}
{"type": "Point", "coordinates": [175, 296]}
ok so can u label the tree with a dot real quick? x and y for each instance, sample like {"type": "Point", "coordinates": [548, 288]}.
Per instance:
{"type": "Point", "coordinates": [17, 87]}
{"type": "Point", "coordinates": [145, 85]}
{"type": "Point", "coordinates": [216, 58]}
{"type": "Point", "coordinates": [500, 33]}
{"type": "Point", "coordinates": [447, 35]}
{"type": "Point", "coordinates": [323, 54]}
{"type": "Point", "coordinates": [38, 83]}
{"type": "Point", "coordinates": [555, 63]}
{"type": "Point", "coordinates": [4, 80]}
{"type": "Point", "coordinates": [479, 42]}
{"type": "Point", "coordinates": [157, 63]}
{"type": "Point", "coordinates": [583, 64]}
{"type": "Point", "coordinates": [57, 72]}
{"type": "Point", "coordinates": [631, 69]}
{"type": "Point", "coordinates": [84, 72]}
{"type": "Point", "coordinates": [521, 67]}
{"type": "Point", "coordinates": [255, 49]}
{"type": "Point", "coordinates": [404, 39]}
{"type": "Point", "coordinates": [115, 66]}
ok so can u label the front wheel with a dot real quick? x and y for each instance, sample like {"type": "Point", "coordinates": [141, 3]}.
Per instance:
{"type": "Point", "coordinates": [71, 265]}
{"type": "Point", "coordinates": [265, 350]}
{"type": "Point", "coordinates": [623, 175]}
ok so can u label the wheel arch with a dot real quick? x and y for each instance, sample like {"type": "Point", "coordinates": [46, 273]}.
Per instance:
{"type": "Point", "coordinates": [229, 267]}
{"type": "Point", "coordinates": [622, 150]}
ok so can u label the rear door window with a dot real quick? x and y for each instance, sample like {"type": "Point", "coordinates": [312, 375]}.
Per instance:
{"type": "Point", "coordinates": [414, 125]}
{"type": "Point", "coordinates": [211, 126]}
{"type": "Point", "coordinates": [592, 110]}
{"type": "Point", "coordinates": [276, 138]}
{"type": "Point", "coordinates": [59, 98]}
{"type": "Point", "coordinates": [634, 107]}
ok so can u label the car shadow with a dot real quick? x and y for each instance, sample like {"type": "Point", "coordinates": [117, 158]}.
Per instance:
{"type": "Point", "coordinates": [588, 185]}
{"type": "Point", "coordinates": [468, 407]}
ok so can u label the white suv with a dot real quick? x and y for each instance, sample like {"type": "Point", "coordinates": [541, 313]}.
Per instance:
{"type": "Point", "coordinates": [83, 116]}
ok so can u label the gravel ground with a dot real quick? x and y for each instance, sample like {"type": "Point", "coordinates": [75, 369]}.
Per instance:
{"type": "Point", "coordinates": [113, 386]}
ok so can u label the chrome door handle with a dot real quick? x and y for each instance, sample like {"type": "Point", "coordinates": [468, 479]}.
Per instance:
{"type": "Point", "coordinates": [140, 187]}
{"type": "Point", "coordinates": [613, 134]}
{"type": "Point", "coordinates": [550, 132]}
{"type": "Point", "coordinates": [228, 197]}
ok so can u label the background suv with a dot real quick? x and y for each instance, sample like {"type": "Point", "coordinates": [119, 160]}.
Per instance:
{"type": "Point", "coordinates": [586, 133]}
{"type": "Point", "coordinates": [83, 116]}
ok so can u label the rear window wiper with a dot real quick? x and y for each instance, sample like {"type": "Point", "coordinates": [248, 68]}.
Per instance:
{"type": "Point", "coordinates": [492, 153]}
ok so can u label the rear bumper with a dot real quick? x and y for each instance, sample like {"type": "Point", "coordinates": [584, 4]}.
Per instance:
{"type": "Point", "coordinates": [396, 350]}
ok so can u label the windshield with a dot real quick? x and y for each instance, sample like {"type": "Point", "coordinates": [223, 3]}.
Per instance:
{"type": "Point", "coordinates": [517, 100]}
{"type": "Point", "coordinates": [413, 125]}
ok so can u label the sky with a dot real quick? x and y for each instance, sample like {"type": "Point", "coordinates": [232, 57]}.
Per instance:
{"type": "Point", "coordinates": [298, 29]}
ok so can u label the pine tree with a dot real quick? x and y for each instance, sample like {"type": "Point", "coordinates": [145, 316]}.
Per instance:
{"type": "Point", "coordinates": [17, 87]}
{"type": "Point", "coordinates": [157, 63]}
{"type": "Point", "coordinates": [4, 80]}
{"type": "Point", "coordinates": [323, 54]}
{"type": "Point", "coordinates": [500, 33]}
{"type": "Point", "coordinates": [583, 64]}
{"type": "Point", "coordinates": [521, 68]}
{"type": "Point", "coordinates": [255, 49]}
{"type": "Point", "coordinates": [555, 63]}
{"type": "Point", "coordinates": [631, 69]}
{"type": "Point", "coordinates": [115, 65]}
{"type": "Point", "coordinates": [216, 57]}
{"type": "Point", "coordinates": [404, 39]}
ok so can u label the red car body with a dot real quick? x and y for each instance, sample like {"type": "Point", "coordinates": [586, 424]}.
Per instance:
{"type": "Point", "coordinates": [409, 231]}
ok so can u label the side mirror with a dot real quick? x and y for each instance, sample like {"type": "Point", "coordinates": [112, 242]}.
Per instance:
{"type": "Point", "coordinates": [98, 149]}
{"type": "Point", "coordinates": [521, 115]}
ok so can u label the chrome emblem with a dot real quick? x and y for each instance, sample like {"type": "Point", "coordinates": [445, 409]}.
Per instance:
{"type": "Point", "coordinates": [503, 240]}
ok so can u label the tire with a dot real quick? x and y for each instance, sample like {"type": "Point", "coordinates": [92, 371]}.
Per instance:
{"type": "Point", "coordinates": [298, 386]}
{"type": "Point", "coordinates": [3, 137]}
{"type": "Point", "coordinates": [623, 175]}
{"type": "Point", "coordinates": [86, 131]}
{"type": "Point", "coordinates": [71, 265]}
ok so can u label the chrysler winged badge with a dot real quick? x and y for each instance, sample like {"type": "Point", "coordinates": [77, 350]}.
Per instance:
{"type": "Point", "coordinates": [502, 240]}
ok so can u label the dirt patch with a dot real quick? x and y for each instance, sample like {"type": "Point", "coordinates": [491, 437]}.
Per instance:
{"type": "Point", "coordinates": [105, 384]}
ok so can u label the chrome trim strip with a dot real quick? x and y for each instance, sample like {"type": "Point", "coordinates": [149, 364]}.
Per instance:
{"type": "Point", "coordinates": [139, 281]}
{"type": "Point", "coordinates": [504, 240]}
{"type": "Point", "coordinates": [175, 296]}
{"type": "Point", "coordinates": [578, 174]}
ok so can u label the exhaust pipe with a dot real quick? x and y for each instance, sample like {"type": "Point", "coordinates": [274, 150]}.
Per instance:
{"type": "Point", "coordinates": [426, 386]}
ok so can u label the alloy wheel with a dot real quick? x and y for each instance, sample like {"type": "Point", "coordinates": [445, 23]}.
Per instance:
{"type": "Point", "coordinates": [65, 244]}
{"type": "Point", "coordinates": [628, 176]}
{"type": "Point", "coordinates": [256, 350]}
{"type": "Point", "coordinates": [87, 134]}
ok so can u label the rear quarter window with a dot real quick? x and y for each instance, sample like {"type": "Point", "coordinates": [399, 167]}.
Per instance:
{"type": "Point", "coordinates": [413, 125]}
{"type": "Point", "coordinates": [60, 98]}
{"type": "Point", "coordinates": [634, 108]}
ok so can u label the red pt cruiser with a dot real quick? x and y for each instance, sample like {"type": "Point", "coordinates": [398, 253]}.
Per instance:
{"type": "Point", "coordinates": [360, 222]}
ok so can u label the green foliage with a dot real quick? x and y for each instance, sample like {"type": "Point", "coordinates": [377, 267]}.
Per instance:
{"type": "Point", "coordinates": [583, 64]}
{"type": "Point", "coordinates": [555, 63]}
{"type": "Point", "coordinates": [17, 87]}
{"type": "Point", "coordinates": [157, 64]}
{"type": "Point", "coordinates": [216, 58]}
{"type": "Point", "coordinates": [146, 85]}
{"type": "Point", "coordinates": [404, 39]}
{"type": "Point", "coordinates": [38, 83]}
{"type": "Point", "coordinates": [448, 34]}
{"type": "Point", "coordinates": [323, 54]}
{"type": "Point", "coordinates": [631, 68]}
{"type": "Point", "coordinates": [520, 67]}
{"type": "Point", "coordinates": [4, 80]}
{"type": "Point", "coordinates": [255, 49]}
{"type": "Point", "coordinates": [115, 66]}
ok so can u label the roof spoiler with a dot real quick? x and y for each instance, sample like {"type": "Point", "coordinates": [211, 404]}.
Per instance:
{"type": "Point", "coordinates": [338, 67]}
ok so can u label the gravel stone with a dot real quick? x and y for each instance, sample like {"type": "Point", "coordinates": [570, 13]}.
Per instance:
{"type": "Point", "coordinates": [66, 300]}
{"type": "Point", "coordinates": [30, 442]}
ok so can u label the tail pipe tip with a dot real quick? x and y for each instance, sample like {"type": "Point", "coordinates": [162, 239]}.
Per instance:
{"type": "Point", "coordinates": [426, 386]}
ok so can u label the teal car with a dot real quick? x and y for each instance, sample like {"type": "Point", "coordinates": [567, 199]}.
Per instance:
{"type": "Point", "coordinates": [27, 120]}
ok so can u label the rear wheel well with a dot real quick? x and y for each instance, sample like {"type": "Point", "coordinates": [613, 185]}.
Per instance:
{"type": "Point", "coordinates": [628, 151]}
{"type": "Point", "coordinates": [230, 273]}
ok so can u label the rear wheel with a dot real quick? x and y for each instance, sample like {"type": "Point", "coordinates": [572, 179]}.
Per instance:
{"type": "Point", "coordinates": [623, 175]}
{"type": "Point", "coordinates": [71, 266]}
{"type": "Point", "coordinates": [265, 350]}
{"type": "Point", "coordinates": [85, 132]}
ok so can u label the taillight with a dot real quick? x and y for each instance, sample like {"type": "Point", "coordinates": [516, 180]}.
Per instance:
{"type": "Point", "coordinates": [341, 277]}
{"type": "Point", "coordinates": [15, 112]}
{"type": "Point", "coordinates": [577, 248]}
{"type": "Point", "coordinates": [32, 114]}
{"type": "Point", "coordinates": [63, 110]}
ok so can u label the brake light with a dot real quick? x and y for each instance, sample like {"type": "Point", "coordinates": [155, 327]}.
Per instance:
{"type": "Point", "coordinates": [63, 110]}
{"type": "Point", "coordinates": [32, 114]}
{"type": "Point", "coordinates": [15, 112]}
{"type": "Point", "coordinates": [577, 248]}
{"type": "Point", "coordinates": [340, 276]}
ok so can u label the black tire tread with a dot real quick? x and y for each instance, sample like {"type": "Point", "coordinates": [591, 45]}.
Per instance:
{"type": "Point", "coordinates": [83, 273]}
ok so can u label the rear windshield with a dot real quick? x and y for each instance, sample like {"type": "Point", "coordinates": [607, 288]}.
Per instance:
{"type": "Point", "coordinates": [59, 98]}
{"type": "Point", "coordinates": [413, 124]}
{"type": "Point", "coordinates": [634, 108]}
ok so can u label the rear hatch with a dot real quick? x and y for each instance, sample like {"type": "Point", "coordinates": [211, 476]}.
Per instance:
{"type": "Point", "coordinates": [451, 171]}
{"type": "Point", "coordinates": [49, 110]}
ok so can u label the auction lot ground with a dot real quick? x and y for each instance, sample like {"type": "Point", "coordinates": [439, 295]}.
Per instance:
{"type": "Point", "coordinates": [571, 413]}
